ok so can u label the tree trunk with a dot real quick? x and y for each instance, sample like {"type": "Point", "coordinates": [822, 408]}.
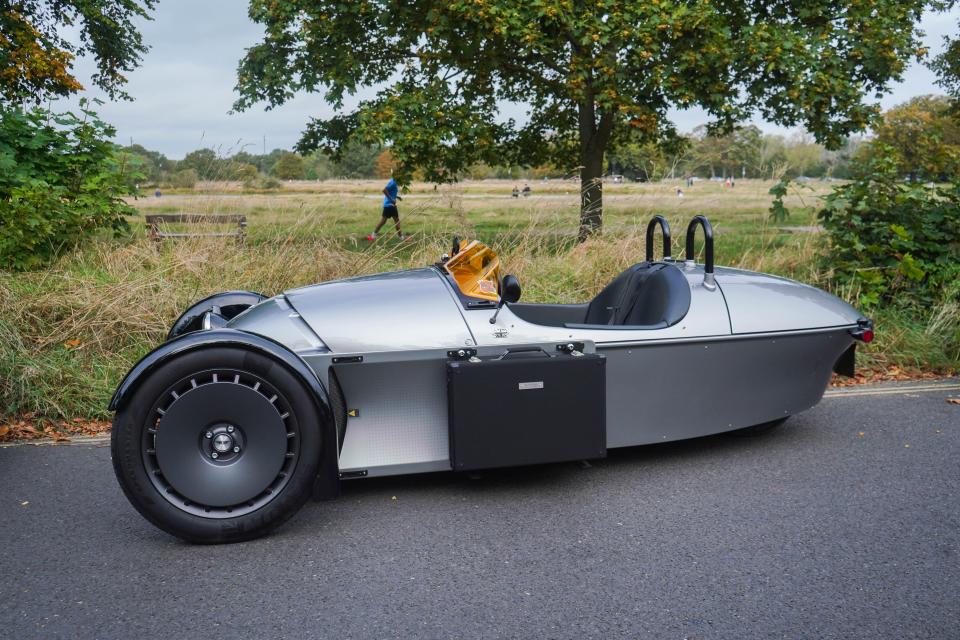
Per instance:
{"type": "Point", "coordinates": [593, 143]}
{"type": "Point", "coordinates": [591, 198]}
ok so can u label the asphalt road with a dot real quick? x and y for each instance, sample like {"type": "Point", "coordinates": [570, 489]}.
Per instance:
{"type": "Point", "coordinates": [845, 522]}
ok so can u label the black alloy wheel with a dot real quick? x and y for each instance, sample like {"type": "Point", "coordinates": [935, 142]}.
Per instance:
{"type": "Point", "coordinates": [218, 445]}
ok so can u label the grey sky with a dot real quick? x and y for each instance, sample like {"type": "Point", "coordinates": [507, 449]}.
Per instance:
{"type": "Point", "coordinates": [184, 89]}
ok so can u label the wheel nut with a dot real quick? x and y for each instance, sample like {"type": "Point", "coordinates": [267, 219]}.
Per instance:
{"type": "Point", "coordinates": [236, 449]}
{"type": "Point", "coordinates": [214, 455]}
{"type": "Point", "coordinates": [209, 434]}
{"type": "Point", "coordinates": [230, 428]}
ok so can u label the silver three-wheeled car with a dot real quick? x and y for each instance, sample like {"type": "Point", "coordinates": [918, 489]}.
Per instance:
{"type": "Point", "coordinates": [254, 404]}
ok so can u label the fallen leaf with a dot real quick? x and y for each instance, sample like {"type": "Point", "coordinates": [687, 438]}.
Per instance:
{"type": "Point", "coordinates": [4, 430]}
{"type": "Point", "coordinates": [953, 400]}
{"type": "Point", "coordinates": [862, 433]}
{"type": "Point", "coordinates": [24, 503]}
{"type": "Point", "coordinates": [72, 344]}
{"type": "Point", "coordinates": [906, 446]}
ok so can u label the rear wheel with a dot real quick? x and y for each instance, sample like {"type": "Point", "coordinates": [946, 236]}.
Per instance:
{"type": "Point", "coordinates": [218, 445]}
{"type": "Point", "coordinates": [226, 306]}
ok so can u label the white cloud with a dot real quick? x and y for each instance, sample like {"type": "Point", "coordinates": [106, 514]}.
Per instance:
{"type": "Point", "coordinates": [184, 89]}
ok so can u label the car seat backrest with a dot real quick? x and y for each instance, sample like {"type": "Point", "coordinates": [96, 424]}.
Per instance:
{"type": "Point", "coordinates": [604, 307]}
{"type": "Point", "coordinates": [661, 298]}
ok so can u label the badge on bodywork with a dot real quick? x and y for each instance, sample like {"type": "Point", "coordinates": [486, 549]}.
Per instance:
{"type": "Point", "coordinates": [500, 333]}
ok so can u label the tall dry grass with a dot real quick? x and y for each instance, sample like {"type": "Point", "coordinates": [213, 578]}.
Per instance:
{"type": "Point", "coordinates": [70, 332]}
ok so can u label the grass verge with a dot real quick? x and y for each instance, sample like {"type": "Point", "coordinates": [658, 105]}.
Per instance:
{"type": "Point", "coordinates": [69, 333]}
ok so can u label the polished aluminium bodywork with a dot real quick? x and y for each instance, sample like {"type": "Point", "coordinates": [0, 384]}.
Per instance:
{"type": "Point", "coordinates": [751, 349]}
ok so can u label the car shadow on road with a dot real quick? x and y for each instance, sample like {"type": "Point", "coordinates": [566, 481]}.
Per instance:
{"type": "Point", "coordinates": [651, 456]}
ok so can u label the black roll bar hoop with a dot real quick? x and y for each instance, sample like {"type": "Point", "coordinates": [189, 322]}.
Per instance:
{"type": "Point", "coordinates": [651, 229]}
{"type": "Point", "coordinates": [701, 220]}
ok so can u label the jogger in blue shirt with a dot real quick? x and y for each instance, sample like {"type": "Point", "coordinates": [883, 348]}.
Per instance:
{"type": "Point", "coordinates": [391, 193]}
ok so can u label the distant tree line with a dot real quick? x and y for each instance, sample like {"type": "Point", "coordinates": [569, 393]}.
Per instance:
{"type": "Point", "coordinates": [924, 133]}
{"type": "Point", "coordinates": [258, 170]}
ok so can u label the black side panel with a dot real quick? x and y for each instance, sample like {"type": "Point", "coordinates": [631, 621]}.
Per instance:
{"type": "Point", "coordinates": [846, 364]}
{"type": "Point", "coordinates": [522, 411]}
{"type": "Point", "coordinates": [549, 315]}
{"type": "Point", "coordinates": [338, 405]}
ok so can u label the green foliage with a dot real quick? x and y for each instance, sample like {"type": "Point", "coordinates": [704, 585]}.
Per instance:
{"type": "Point", "coordinates": [925, 134]}
{"type": "Point", "coordinates": [779, 211]}
{"type": "Point", "coordinates": [893, 241]}
{"type": "Point", "coordinates": [588, 74]}
{"type": "Point", "coordinates": [155, 166]}
{"type": "Point", "coordinates": [357, 161]}
{"type": "Point", "coordinates": [184, 178]}
{"type": "Point", "coordinates": [206, 164]}
{"type": "Point", "coordinates": [263, 183]}
{"type": "Point", "coordinates": [289, 167]}
{"type": "Point", "coordinates": [39, 39]}
{"type": "Point", "coordinates": [947, 67]}
{"type": "Point", "coordinates": [60, 181]}
{"type": "Point", "coordinates": [263, 162]}
{"type": "Point", "coordinates": [245, 172]}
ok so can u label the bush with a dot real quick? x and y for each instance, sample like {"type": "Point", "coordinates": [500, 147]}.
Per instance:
{"type": "Point", "coordinates": [262, 183]}
{"type": "Point", "coordinates": [60, 181]}
{"type": "Point", "coordinates": [288, 167]}
{"type": "Point", "coordinates": [893, 241]}
{"type": "Point", "coordinates": [184, 179]}
{"type": "Point", "coordinates": [245, 172]}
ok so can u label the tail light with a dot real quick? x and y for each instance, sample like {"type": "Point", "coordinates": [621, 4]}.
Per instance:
{"type": "Point", "coordinates": [864, 330]}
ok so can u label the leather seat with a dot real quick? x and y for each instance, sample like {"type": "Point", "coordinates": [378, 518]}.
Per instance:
{"type": "Point", "coordinates": [647, 294]}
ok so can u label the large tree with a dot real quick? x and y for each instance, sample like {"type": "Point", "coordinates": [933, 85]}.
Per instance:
{"type": "Point", "coordinates": [947, 66]}
{"type": "Point", "coordinates": [39, 40]}
{"type": "Point", "coordinates": [289, 167]}
{"type": "Point", "coordinates": [925, 134]}
{"type": "Point", "coordinates": [587, 72]}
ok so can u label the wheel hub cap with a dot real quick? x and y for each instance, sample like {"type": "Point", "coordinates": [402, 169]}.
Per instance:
{"type": "Point", "coordinates": [221, 444]}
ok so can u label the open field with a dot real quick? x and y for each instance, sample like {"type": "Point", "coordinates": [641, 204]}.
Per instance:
{"type": "Point", "coordinates": [68, 333]}
{"type": "Point", "coordinates": [343, 212]}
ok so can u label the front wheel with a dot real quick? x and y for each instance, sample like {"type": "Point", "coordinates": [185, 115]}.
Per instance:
{"type": "Point", "coordinates": [218, 445]}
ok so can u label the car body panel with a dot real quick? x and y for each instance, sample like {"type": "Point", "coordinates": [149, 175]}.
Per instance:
{"type": "Point", "coordinates": [752, 348]}
{"type": "Point", "coordinates": [673, 390]}
{"type": "Point", "coordinates": [761, 303]}
{"type": "Point", "coordinates": [706, 317]}
{"type": "Point", "coordinates": [396, 311]}
{"type": "Point", "coordinates": [274, 318]}
{"type": "Point", "coordinates": [400, 401]}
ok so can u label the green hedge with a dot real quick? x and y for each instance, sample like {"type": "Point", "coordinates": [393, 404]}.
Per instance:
{"type": "Point", "coordinates": [61, 180]}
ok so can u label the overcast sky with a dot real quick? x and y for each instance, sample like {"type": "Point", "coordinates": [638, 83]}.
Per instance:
{"type": "Point", "coordinates": [184, 89]}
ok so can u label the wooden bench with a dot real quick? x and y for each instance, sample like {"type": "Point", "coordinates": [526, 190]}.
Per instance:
{"type": "Point", "coordinates": [157, 223]}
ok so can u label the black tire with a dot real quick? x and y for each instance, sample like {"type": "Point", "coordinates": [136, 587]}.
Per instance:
{"type": "Point", "coordinates": [758, 429]}
{"type": "Point", "coordinates": [167, 469]}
